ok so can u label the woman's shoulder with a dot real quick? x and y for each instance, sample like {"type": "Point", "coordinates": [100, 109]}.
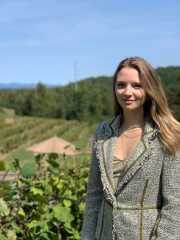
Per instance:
{"type": "Point", "coordinates": [169, 157]}
{"type": "Point", "coordinates": [104, 129]}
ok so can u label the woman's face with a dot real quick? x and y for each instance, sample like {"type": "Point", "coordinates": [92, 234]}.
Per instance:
{"type": "Point", "coordinates": [129, 90]}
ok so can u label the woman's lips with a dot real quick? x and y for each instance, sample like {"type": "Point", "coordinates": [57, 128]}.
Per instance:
{"type": "Point", "coordinates": [128, 101]}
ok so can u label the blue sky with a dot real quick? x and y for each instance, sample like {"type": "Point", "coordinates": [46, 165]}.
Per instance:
{"type": "Point", "coordinates": [60, 41]}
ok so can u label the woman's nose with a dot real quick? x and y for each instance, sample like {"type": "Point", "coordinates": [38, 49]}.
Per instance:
{"type": "Point", "coordinates": [128, 90]}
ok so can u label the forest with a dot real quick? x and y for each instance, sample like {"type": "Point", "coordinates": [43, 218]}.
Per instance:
{"type": "Point", "coordinates": [86, 100]}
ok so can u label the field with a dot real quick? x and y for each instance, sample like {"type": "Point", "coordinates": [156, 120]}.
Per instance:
{"type": "Point", "coordinates": [19, 133]}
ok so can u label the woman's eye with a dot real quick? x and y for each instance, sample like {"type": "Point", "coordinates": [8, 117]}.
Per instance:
{"type": "Point", "coordinates": [137, 86]}
{"type": "Point", "coordinates": [120, 85]}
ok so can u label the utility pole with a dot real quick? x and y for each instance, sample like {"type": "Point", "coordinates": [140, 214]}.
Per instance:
{"type": "Point", "coordinates": [75, 76]}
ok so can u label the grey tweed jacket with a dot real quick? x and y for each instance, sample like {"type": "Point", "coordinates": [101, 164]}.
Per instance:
{"type": "Point", "coordinates": [146, 203]}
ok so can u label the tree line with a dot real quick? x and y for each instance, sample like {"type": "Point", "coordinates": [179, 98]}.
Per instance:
{"type": "Point", "coordinates": [88, 100]}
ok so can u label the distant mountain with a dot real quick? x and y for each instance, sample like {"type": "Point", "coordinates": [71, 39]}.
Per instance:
{"type": "Point", "coordinates": [15, 85]}
{"type": "Point", "coordinates": [20, 85]}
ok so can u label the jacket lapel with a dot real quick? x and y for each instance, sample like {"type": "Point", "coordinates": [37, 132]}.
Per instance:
{"type": "Point", "coordinates": [135, 161]}
{"type": "Point", "coordinates": [107, 148]}
{"type": "Point", "coordinates": [107, 154]}
{"type": "Point", "coordinates": [139, 156]}
{"type": "Point", "coordinates": [105, 169]}
{"type": "Point", "coordinates": [104, 155]}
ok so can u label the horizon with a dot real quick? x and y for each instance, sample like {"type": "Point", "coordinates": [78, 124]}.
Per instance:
{"type": "Point", "coordinates": [33, 85]}
{"type": "Point", "coordinates": [61, 42]}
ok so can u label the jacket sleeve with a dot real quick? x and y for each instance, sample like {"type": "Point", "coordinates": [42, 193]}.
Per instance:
{"type": "Point", "coordinates": [168, 223]}
{"type": "Point", "coordinates": [93, 199]}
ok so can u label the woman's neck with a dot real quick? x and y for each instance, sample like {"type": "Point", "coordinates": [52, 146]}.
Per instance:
{"type": "Point", "coordinates": [133, 120]}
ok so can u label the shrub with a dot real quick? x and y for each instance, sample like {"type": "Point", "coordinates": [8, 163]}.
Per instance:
{"type": "Point", "coordinates": [47, 205]}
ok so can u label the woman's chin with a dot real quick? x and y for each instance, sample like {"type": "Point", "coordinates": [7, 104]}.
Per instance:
{"type": "Point", "coordinates": [131, 108]}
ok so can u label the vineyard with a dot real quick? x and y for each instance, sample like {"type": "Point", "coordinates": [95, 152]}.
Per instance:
{"type": "Point", "coordinates": [20, 133]}
{"type": "Point", "coordinates": [47, 199]}
{"type": "Point", "coordinates": [46, 205]}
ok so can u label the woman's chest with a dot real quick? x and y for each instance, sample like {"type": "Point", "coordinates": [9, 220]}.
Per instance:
{"type": "Point", "coordinates": [124, 147]}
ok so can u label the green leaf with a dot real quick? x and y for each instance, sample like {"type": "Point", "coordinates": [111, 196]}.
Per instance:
{"type": "Point", "coordinates": [4, 210]}
{"type": "Point", "coordinates": [16, 228]}
{"type": "Point", "coordinates": [21, 212]}
{"type": "Point", "coordinates": [37, 191]}
{"type": "Point", "coordinates": [60, 186]}
{"type": "Point", "coordinates": [67, 203]}
{"type": "Point", "coordinates": [47, 188]}
{"type": "Point", "coordinates": [44, 236]}
{"type": "Point", "coordinates": [68, 193]}
{"type": "Point", "coordinates": [29, 169]}
{"type": "Point", "coordinates": [3, 237]}
{"type": "Point", "coordinates": [11, 235]}
{"type": "Point", "coordinates": [76, 235]}
{"type": "Point", "coordinates": [32, 224]}
{"type": "Point", "coordinates": [81, 207]}
{"type": "Point", "coordinates": [62, 214]}
{"type": "Point", "coordinates": [55, 180]}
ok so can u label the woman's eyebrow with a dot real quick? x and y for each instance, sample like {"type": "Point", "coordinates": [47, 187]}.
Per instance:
{"type": "Point", "coordinates": [120, 81]}
{"type": "Point", "coordinates": [124, 81]}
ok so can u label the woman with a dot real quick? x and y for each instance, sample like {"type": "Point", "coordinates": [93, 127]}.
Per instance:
{"type": "Point", "coordinates": [134, 184]}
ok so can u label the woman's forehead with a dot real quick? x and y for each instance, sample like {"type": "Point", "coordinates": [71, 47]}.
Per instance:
{"type": "Point", "coordinates": [128, 74]}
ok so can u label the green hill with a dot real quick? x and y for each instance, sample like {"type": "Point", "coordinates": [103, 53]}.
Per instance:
{"type": "Point", "coordinates": [16, 136]}
{"type": "Point", "coordinates": [88, 100]}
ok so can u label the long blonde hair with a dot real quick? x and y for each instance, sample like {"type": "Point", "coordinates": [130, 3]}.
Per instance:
{"type": "Point", "coordinates": [156, 104]}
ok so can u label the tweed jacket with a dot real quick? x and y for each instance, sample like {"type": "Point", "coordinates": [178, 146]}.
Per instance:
{"type": "Point", "coordinates": [145, 205]}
